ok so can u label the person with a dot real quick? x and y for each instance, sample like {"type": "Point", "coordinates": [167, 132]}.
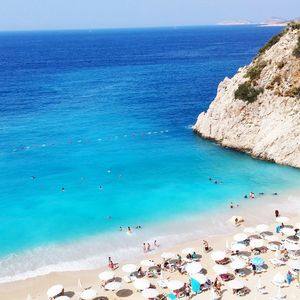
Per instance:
{"type": "Point", "coordinates": [231, 205]}
{"type": "Point", "coordinates": [144, 247]}
{"type": "Point", "coordinates": [187, 291]}
{"type": "Point", "coordinates": [140, 272]}
{"type": "Point", "coordinates": [289, 277]}
{"type": "Point", "coordinates": [189, 256]}
{"type": "Point", "coordinates": [100, 187]}
{"type": "Point", "coordinates": [206, 247]}
{"type": "Point", "coordinates": [155, 244]}
{"type": "Point", "coordinates": [245, 196]}
{"type": "Point", "coordinates": [62, 189]}
{"type": "Point", "coordinates": [276, 213]}
{"type": "Point", "coordinates": [148, 247]}
{"type": "Point", "coordinates": [179, 258]}
{"type": "Point", "coordinates": [236, 221]}
{"type": "Point", "coordinates": [33, 177]}
{"type": "Point", "coordinates": [194, 255]}
{"type": "Point", "coordinates": [129, 230]}
{"type": "Point", "coordinates": [120, 228]}
{"type": "Point", "coordinates": [253, 268]}
{"type": "Point", "coordinates": [111, 265]}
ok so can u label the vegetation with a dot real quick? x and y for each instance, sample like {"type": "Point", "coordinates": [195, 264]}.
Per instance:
{"type": "Point", "coordinates": [247, 92]}
{"type": "Point", "coordinates": [274, 40]}
{"type": "Point", "coordinates": [296, 51]}
{"type": "Point", "coordinates": [280, 65]}
{"type": "Point", "coordinates": [254, 72]}
{"type": "Point", "coordinates": [294, 25]}
{"type": "Point", "coordinates": [293, 92]}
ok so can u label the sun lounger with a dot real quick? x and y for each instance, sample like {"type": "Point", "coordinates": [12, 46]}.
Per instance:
{"type": "Point", "coordinates": [163, 283]}
{"type": "Point", "coordinates": [262, 290]}
{"type": "Point", "coordinates": [276, 262]}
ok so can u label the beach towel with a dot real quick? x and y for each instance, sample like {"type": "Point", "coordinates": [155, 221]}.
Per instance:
{"type": "Point", "coordinates": [195, 285]}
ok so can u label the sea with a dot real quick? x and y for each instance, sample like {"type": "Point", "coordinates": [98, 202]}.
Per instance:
{"type": "Point", "coordinates": [96, 134]}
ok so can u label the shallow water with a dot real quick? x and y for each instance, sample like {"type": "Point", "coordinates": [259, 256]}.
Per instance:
{"type": "Point", "coordinates": [112, 109]}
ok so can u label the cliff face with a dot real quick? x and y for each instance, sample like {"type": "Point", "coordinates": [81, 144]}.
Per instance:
{"type": "Point", "coordinates": [258, 110]}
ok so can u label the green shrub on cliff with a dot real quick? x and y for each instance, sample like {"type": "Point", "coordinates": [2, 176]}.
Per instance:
{"type": "Point", "coordinates": [293, 92]}
{"type": "Point", "coordinates": [254, 72]}
{"type": "Point", "coordinates": [274, 40]}
{"type": "Point", "coordinates": [247, 92]}
{"type": "Point", "coordinates": [296, 51]}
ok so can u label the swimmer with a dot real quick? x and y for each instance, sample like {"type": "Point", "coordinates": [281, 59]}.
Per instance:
{"type": "Point", "coordinates": [100, 187]}
{"type": "Point", "coordinates": [231, 205]}
{"type": "Point", "coordinates": [62, 189]}
{"type": "Point", "coordinates": [275, 194]}
{"type": "Point", "coordinates": [216, 181]}
{"type": "Point", "coordinates": [210, 179]}
{"type": "Point", "coordinates": [138, 227]}
{"type": "Point", "coordinates": [120, 229]}
{"type": "Point", "coordinates": [129, 230]}
{"type": "Point", "coordinates": [156, 244]}
{"type": "Point", "coordinates": [33, 177]}
{"type": "Point", "coordinates": [109, 217]}
{"type": "Point", "coordinates": [245, 196]}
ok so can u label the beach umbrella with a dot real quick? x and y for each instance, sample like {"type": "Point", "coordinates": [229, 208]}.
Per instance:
{"type": "Point", "coordinates": [89, 294]}
{"type": "Point", "coordinates": [141, 283]}
{"type": "Point", "coordinates": [279, 278]}
{"type": "Point", "coordinates": [188, 251]}
{"type": "Point", "coordinates": [112, 286]}
{"type": "Point", "coordinates": [219, 269]}
{"type": "Point", "coordinates": [194, 267]}
{"type": "Point", "coordinates": [106, 275]}
{"type": "Point", "coordinates": [150, 293]}
{"type": "Point", "coordinates": [272, 238]}
{"type": "Point", "coordinates": [256, 243]}
{"type": "Point", "coordinates": [174, 285]}
{"type": "Point", "coordinates": [129, 268]}
{"type": "Point", "coordinates": [238, 264]}
{"type": "Point", "coordinates": [236, 284]}
{"type": "Point", "coordinates": [249, 230]}
{"type": "Point", "coordinates": [240, 237]}
{"type": "Point", "coordinates": [287, 231]}
{"type": "Point", "coordinates": [218, 255]}
{"type": "Point", "coordinates": [282, 219]}
{"type": "Point", "coordinates": [294, 264]}
{"type": "Point", "coordinates": [200, 278]}
{"type": "Point", "coordinates": [62, 298]}
{"type": "Point", "coordinates": [168, 255]}
{"type": "Point", "coordinates": [238, 247]}
{"type": "Point", "coordinates": [262, 228]}
{"type": "Point", "coordinates": [257, 260]}
{"type": "Point", "coordinates": [55, 290]}
{"type": "Point", "coordinates": [291, 247]}
{"type": "Point", "coordinates": [147, 263]}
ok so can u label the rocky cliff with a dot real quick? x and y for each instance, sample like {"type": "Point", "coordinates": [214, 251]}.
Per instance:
{"type": "Point", "coordinates": [258, 110]}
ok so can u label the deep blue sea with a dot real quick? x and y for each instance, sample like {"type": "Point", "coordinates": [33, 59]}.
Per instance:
{"type": "Point", "coordinates": [98, 123]}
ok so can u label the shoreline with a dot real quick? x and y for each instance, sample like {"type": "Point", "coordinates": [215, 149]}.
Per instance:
{"type": "Point", "coordinates": [38, 285]}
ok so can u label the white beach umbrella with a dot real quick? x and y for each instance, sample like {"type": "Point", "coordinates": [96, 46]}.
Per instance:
{"type": "Point", "coordinates": [193, 267]}
{"type": "Point", "coordinates": [236, 284]}
{"type": "Point", "coordinates": [238, 247]}
{"type": "Point", "coordinates": [279, 278]}
{"type": "Point", "coordinates": [188, 251]}
{"type": "Point", "coordinates": [55, 290]}
{"type": "Point", "coordinates": [240, 237]}
{"type": "Point", "coordinates": [141, 283]}
{"type": "Point", "coordinates": [200, 278]}
{"type": "Point", "coordinates": [106, 275]}
{"type": "Point", "coordinates": [150, 293]}
{"type": "Point", "coordinates": [129, 268]}
{"type": "Point", "coordinates": [294, 264]}
{"type": "Point", "coordinates": [219, 269]}
{"type": "Point", "coordinates": [287, 231]}
{"type": "Point", "coordinates": [249, 230]}
{"type": "Point", "coordinates": [262, 228]}
{"type": "Point", "coordinates": [147, 263]}
{"type": "Point", "coordinates": [89, 294]}
{"type": "Point", "coordinates": [291, 247]}
{"type": "Point", "coordinates": [271, 238]}
{"type": "Point", "coordinates": [174, 285]}
{"type": "Point", "coordinates": [218, 255]}
{"type": "Point", "coordinates": [238, 264]}
{"type": "Point", "coordinates": [168, 255]}
{"type": "Point", "coordinates": [282, 219]}
{"type": "Point", "coordinates": [113, 286]}
{"type": "Point", "coordinates": [63, 298]}
{"type": "Point", "coordinates": [257, 243]}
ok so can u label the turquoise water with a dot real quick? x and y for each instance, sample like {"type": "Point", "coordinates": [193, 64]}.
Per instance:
{"type": "Point", "coordinates": [80, 110]}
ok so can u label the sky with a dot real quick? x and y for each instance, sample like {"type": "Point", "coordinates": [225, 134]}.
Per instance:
{"type": "Point", "coordinates": [90, 14]}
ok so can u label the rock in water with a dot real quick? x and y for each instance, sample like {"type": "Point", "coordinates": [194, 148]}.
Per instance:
{"type": "Point", "coordinates": [258, 110]}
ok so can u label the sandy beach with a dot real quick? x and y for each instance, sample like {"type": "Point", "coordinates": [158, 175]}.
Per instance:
{"type": "Point", "coordinates": [254, 212]}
